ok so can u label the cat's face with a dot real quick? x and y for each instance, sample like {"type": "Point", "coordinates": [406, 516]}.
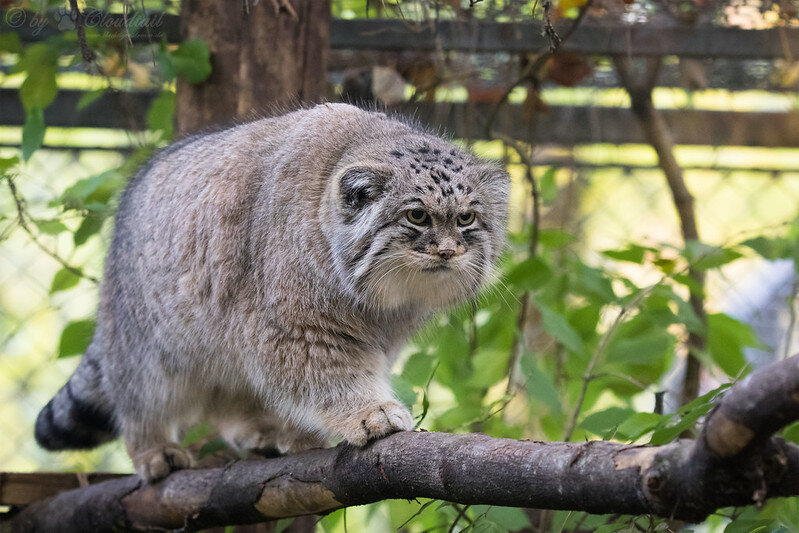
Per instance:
{"type": "Point", "coordinates": [422, 223]}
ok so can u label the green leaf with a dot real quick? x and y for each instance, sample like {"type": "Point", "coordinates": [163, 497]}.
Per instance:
{"type": "Point", "coordinates": [611, 528]}
{"type": "Point", "coordinates": [726, 339]}
{"type": "Point", "coordinates": [82, 188]}
{"type": "Point", "coordinates": [191, 60]}
{"type": "Point", "coordinates": [64, 279]}
{"type": "Point", "coordinates": [771, 248]}
{"type": "Point", "coordinates": [791, 433]}
{"type": "Point", "coordinates": [668, 434]}
{"type": "Point", "coordinates": [540, 386]}
{"type": "Point", "coordinates": [417, 369]}
{"type": "Point", "coordinates": [282, 524]}
{"type": "Point", "coordinates": [594, 283]}
{"type": "Point", "coordinates": [642, 349]}
{"type": "Point", "coordinates": [752, 526]}
{"type": "Point", "coordinates": [211, 447]}
{"type": "Point", "coordinates": [197, 432]}
{"type": "Point", "coordinates": [639, 424]}
{"type": "Point", "coordinates": [490, 366]}
{"type": "Point", "coordinates": [689, 414]}
{"type": "Point", "coordinates": [330, 522]}
{"type": "Point", "coordinates": [32, 132]}
{"type": "Point", "coordinates": [547, 186]}
{"type": "Point", "coordinates": [458, 416]}
{"type": "Point", "coordinates": [691, 282]}
{"type": "Point", "coordinates": [603, 421]}
{"type": "Point", "coordinates": [632, 254]}
{"type": "Point", "coordinates": [94, 191]}
{"type": "Point", "coordinates": [90, 225]}
{"type": "Point", "coordinates": [667, 266]}
{"type": "Point", "coordinates": [558, 327]}
{"type": "Point", "coordinates": [553, 238]}
{"type": "Point", "coordinates": [9, 42]}
{"type": "Point", "coordinates": [89, 97]}
{"type": "Point", "coordinates": [508, 518]}
{"type": "Point", "coordinates": [530, 274]}
{"type": "Point", "coordinates": [7, 163]}
{"type": "Point", "coordinates": [39, 88]}
{"type": "Point", "coordinates": [161, 113]}
{"type": "Point", "coordinates": [585, 319]}
{"type": "Point", "coordinates": [702, 256]}
{"type": "Point", "coordinates": [403, 390]}
{"type": "Point", "coordinates": [76, 337]}
{"type": "Point", "coordinates": [51, 227]}
{"type": "Point", "coordinates": [44, 54]}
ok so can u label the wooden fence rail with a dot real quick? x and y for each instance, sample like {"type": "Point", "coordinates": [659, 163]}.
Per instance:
{"type": "Point", "coordinates": [466, 36]}
{"type": "Point", "coordinates": [564, 125]}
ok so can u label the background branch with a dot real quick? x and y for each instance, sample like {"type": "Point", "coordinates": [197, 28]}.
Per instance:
{"type": "Point", "coordinates": [657, 133]}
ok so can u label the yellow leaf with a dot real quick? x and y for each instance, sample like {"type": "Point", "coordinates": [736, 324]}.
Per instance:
{"type": "Point", "coordinates": [565, 5]}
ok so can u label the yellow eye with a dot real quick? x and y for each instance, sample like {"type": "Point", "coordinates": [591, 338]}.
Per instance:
{"type": "Point", "coordinates": [465, 219]}
{"type": "Point", "coordinates": [417, 216]}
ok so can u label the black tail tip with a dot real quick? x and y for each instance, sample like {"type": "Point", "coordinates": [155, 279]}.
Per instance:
{"type": "Point", "coordinates": [72, 432]}
{"type": "Point", "coordinates": [42, 430]}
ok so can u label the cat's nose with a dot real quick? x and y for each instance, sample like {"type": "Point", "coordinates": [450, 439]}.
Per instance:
{"type": "Point", "coordinates": [446, 253]}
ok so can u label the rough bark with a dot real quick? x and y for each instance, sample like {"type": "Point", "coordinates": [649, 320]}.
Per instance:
{"type": "Point", "coordinates": [735, 461]}
{"type": "Point", "coordinates": [262, 54]}
{"type": "Point", "coordinates": [657, 133]}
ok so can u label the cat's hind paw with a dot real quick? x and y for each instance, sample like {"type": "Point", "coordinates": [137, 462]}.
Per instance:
{"type": "Point", "coordinates": [158, 462]}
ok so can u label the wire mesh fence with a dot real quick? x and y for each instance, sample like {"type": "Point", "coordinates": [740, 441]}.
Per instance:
{"type": "Point", "coordinates": [606, 207]}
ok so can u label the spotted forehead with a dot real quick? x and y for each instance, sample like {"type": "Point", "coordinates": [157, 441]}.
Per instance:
{"type": "Point", "coordinates": [438, 171]}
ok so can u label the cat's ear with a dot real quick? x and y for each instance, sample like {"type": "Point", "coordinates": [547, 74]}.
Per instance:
{"type": "Point", "coordinates": [493, 174]}
{"type": "Point", "coordinates": [494, 179]}
{"type": "Point", "coordinates": [360, 186]}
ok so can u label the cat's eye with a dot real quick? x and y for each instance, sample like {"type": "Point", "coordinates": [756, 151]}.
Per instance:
{"type": "Point", "coordinates": [418, 217]}
{"type": "Point", "coordinates": [465, 219]}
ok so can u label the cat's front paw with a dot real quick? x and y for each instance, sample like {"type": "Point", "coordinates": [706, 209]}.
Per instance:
{"type": "Point", "coordinates": [377, 421]}
{"type": "Point", "coordinates": [158, 462]}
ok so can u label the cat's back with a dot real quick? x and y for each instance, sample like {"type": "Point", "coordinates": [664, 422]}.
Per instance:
{"type": "Point", "coordinates": [192, 220]}
{"type": "Point", "coordinates": [217, 176]}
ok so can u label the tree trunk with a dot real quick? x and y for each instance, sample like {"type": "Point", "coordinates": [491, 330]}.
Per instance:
{"type": "Point", "coordinates": [263, 54]}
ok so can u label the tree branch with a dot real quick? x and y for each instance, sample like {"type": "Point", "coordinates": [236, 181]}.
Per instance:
{"type": "Point", "coordinates": [735, 461]}
{"type": "Point", "coordinates": [658, 135]}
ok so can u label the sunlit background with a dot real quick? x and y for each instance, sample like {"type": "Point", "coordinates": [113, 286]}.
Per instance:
{"type": "Point", "coordinates": [595, 197]}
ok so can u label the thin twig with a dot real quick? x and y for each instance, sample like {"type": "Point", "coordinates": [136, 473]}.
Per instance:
{"type": "Point", "coordinates": [77, 19]}
{"type": "Point", "coordinates": [549, 30]}
{"type": "Point", "coordinates": [23, 223]}
{"type": "Point", "coordinates": [531, 71]}
{"type": "Point", "coordinates": [521, 319]}
{"type": "Point", "coordinates": [600, 350]}
{"type": "Point", "coordinates": [461, 514]}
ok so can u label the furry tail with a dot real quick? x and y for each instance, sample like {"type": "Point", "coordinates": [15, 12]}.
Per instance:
{"type": "Point", "coordinates": [80, 414]}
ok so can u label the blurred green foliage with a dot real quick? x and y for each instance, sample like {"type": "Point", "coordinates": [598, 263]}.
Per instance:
{"type": "Point", "coordinates": [566, 344]}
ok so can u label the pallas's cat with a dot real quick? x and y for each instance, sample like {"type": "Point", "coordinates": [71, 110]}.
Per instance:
{"type": "Point", "coordinates": [264, 277]}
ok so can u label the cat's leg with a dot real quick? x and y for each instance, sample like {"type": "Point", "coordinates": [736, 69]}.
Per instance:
{"type": "Point", "coordinates": [264, 433]}
{"type": "Point", "coordinates": [152, 414]}
{"type": "Point", "coordinates": [251, 432]}
{"type": "Point", "coordinates": [341, 394]}
{"type": "Point", "coordinates": [153, 448]}
{"type": "Point", "coordinates": [293, 440]}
